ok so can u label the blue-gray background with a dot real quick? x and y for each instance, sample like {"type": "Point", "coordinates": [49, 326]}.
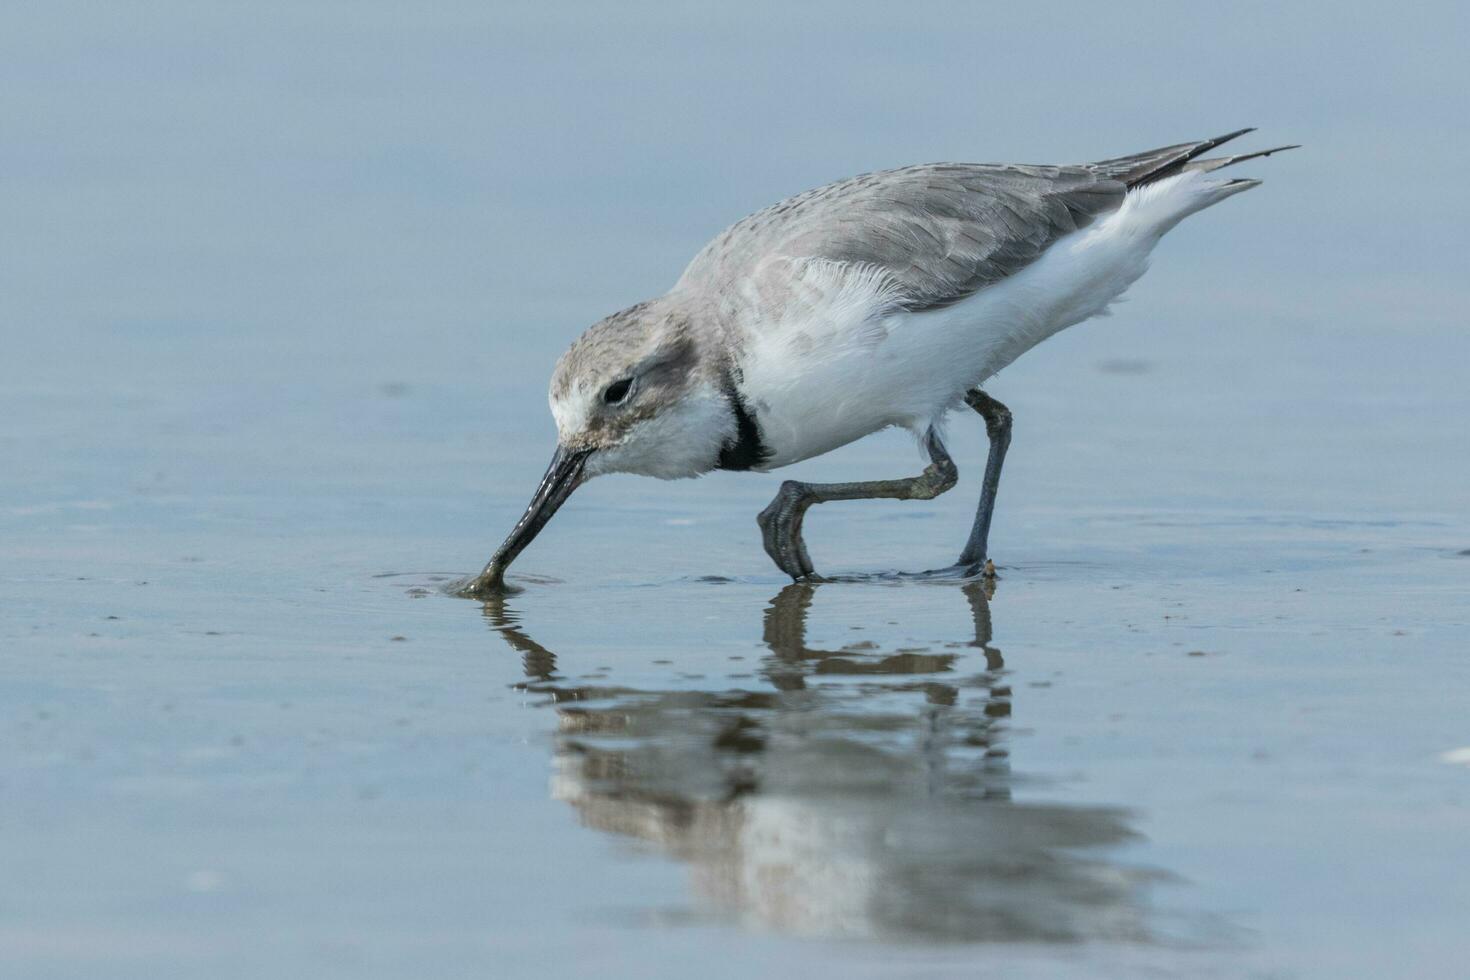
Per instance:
{"type": "Point", "coordinates": [281, 285]}
{"type": "Point", "coordinates": [447, 193]}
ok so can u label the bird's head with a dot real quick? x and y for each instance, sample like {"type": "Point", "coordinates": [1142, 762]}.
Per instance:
{"type": "Point", "coordinates": [632, 395]}
{"type": "Point", "coordinates": [635, 396]}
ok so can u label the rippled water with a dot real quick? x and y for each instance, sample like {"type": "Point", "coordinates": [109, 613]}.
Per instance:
{"type": "Point", "coordinates": [275, 338]}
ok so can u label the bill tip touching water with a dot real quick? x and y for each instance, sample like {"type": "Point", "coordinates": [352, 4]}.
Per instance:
{"type": "Point", "coordinates": [887, 299]}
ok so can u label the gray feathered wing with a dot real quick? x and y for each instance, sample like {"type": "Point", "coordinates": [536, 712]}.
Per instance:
{"type": "Point", "coordinates": [939, 231]}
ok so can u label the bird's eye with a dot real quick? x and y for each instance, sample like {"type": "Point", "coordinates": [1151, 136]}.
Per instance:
{"type": "Point", "coordinates": [617, 391]}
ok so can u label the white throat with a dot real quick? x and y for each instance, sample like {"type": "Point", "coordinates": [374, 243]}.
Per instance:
{"type": "Point", "coordinates": [681, 440]}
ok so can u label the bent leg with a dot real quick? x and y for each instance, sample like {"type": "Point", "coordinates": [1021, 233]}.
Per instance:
{"type": "Point", "coordinates": [781, 521]}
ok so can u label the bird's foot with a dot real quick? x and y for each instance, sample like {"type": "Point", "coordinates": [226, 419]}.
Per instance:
{"type": "Point", "coordinates": [983, 569]}
{"type": "Point", "coordinates": [780, 526]}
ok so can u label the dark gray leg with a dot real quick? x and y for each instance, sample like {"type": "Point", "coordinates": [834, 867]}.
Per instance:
{"type": "Point", "coordinates": [998, 426]}
{"type": "Point", "coordinates": [781, 521]}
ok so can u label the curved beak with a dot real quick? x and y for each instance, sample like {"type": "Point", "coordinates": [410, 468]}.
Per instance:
{"type": "Point", "coordinates": [562, 477]}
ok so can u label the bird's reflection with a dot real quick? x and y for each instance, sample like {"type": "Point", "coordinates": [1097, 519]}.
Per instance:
{"type": "Point", "coordinates": [851, 792]}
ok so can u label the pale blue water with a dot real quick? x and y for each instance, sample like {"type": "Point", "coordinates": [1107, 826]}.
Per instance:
{"type": "Point", "coordinates": [280, 294]}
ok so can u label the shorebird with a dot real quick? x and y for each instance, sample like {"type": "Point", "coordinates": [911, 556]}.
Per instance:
{"type": "Point", "coordinates": [886, 299]}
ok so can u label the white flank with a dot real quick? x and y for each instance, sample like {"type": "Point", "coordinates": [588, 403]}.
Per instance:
{"type": "Point", "coordinates": [835, 362]}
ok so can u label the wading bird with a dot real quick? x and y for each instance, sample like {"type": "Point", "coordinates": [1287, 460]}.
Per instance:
{"type": "Point", "coordinates": [883, 300]}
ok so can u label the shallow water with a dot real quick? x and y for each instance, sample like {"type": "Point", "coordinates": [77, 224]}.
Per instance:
{"type": "Point", "coordinates": [244, 735]}
{"type": "Point", "coordinates": [276, 347]}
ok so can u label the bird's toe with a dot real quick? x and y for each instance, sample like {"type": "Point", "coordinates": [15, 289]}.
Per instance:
{"type": "Point", "coordinates": [780, 525]}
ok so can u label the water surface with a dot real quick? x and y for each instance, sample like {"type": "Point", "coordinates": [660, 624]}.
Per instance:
{"type": "Point", "coordinates": [277, 318]}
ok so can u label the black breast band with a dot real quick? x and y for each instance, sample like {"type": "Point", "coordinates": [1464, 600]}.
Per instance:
{"type": "Point", "coordinates": [747, 450]}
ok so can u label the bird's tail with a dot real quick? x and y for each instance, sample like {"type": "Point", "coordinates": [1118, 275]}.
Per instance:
{"type": "Point", "coordinates": [1215, 163]}
{"type": "Point", "coordinates": [1150, 166]}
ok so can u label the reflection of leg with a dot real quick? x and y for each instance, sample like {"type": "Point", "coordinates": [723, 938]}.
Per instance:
{"type": "Point", "coordinates": [998, 427]}
{"type": "Point", "coordinates": [987, 733]}
{"type": "Point", "coordinates": [785, 634]}
{"type": "Point", "coordinates": [979, 594]}
{"type": "Point", "coordinates": [938, 730]}
{"type": "Point", "coordinates": [781, 521]}
{"type": "Point", "coordinates": [785, 624]}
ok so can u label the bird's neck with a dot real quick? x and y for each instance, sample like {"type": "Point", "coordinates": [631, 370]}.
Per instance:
{"type": "Point", "coordinates": [744, 448]}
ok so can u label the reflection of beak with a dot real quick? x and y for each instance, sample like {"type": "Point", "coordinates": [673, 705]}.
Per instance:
{"type": "Point", "coordinates": [562, 477]}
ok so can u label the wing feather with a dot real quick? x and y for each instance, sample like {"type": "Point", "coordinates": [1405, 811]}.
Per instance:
{"type": "Point", "coordinates": [937, 232]}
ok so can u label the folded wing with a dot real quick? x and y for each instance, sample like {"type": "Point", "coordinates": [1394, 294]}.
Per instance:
{"type": "Point", "coordinates": [936, 232]}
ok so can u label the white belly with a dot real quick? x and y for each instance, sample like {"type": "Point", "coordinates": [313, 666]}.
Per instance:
{"type": "Point", "coordinates": [843, 373]}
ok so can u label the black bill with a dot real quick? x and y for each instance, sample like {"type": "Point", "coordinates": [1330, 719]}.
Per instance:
{"type": "Point", "coordinates": [562, 477]}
